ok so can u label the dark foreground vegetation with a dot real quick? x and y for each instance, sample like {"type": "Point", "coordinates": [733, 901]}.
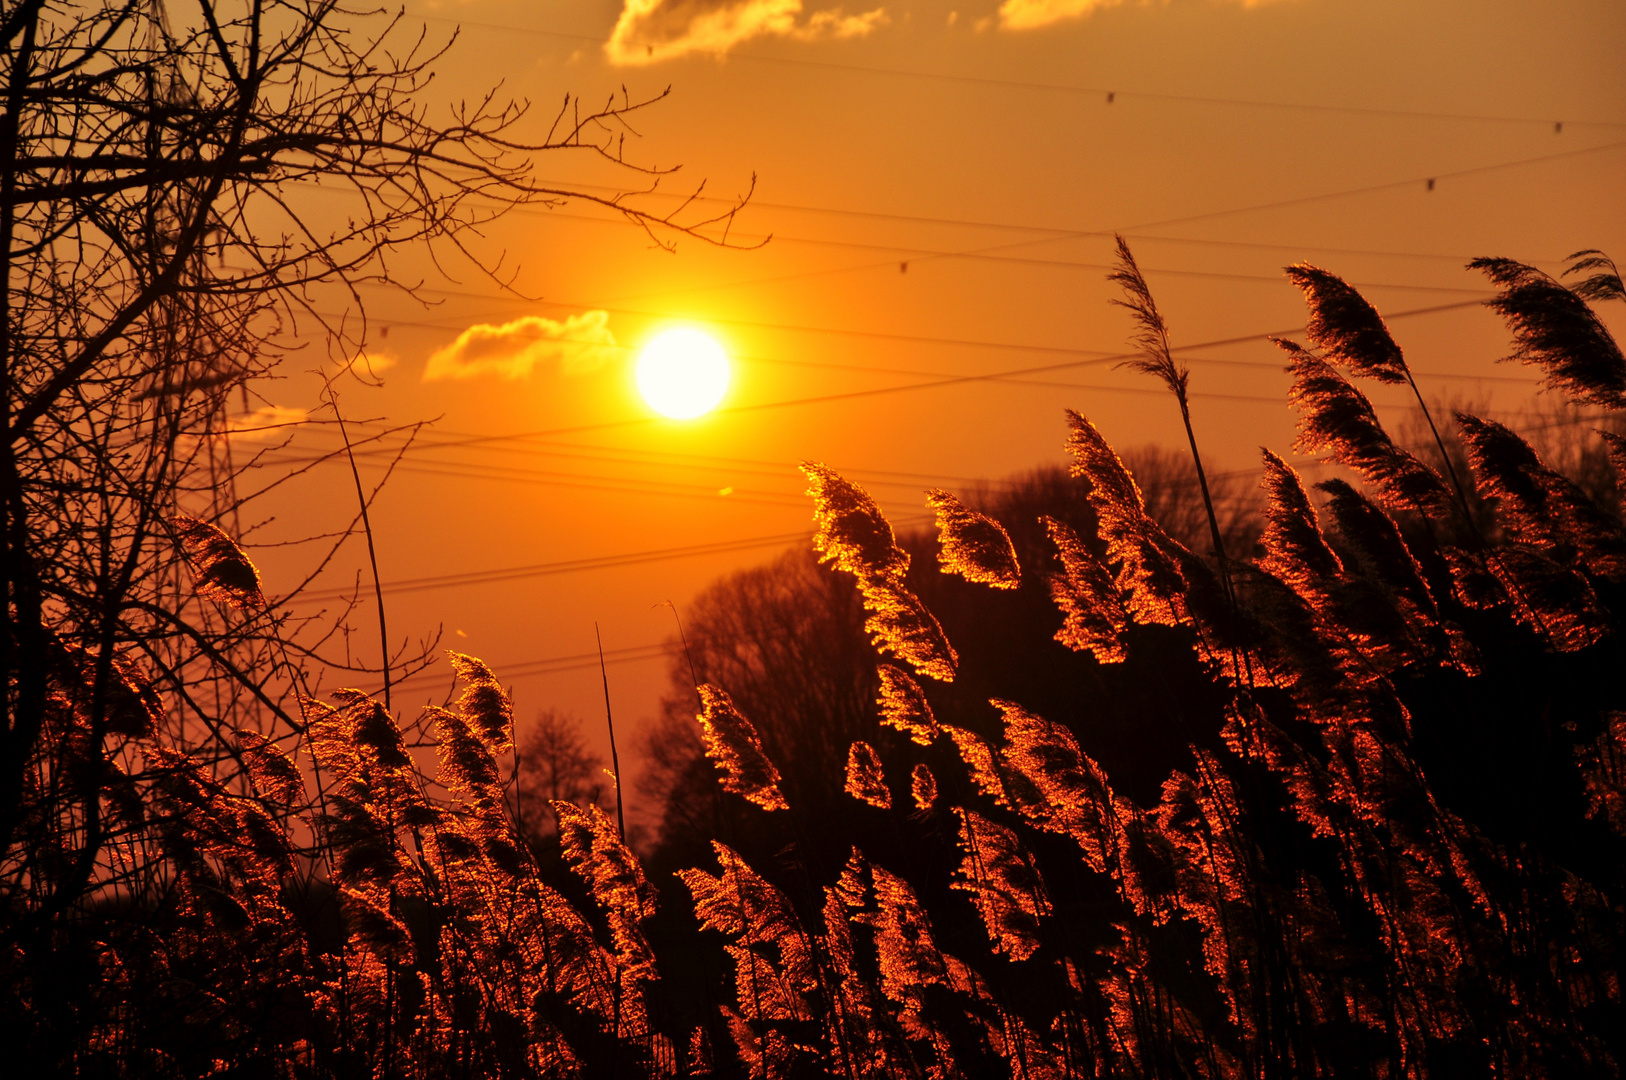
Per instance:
{"type": "Point", "coordinates": [1096, 781]}
{"type": "Point", "coordinates": [1061, 799]}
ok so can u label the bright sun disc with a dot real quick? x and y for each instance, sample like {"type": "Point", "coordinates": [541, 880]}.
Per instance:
{"type": "Point", "coordinates": [682, 373]}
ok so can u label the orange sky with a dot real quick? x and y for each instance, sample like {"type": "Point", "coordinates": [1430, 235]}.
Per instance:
{"type": "Point", "coordinates": [992, 149]}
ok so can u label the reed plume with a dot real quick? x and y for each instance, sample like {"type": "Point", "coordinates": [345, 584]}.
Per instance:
{"type": "Point", "coordinates": [923, 786]}
{"type": "Point", "coordinates": [733, 745]}
{"type": "Point", "coordinates": [1152, 338]}
{"type": "Point", "coordinates": [773, 956]}
{"type": "Point", "coordinates": [904, 706]}
{"type": "Point", "coordinates": [900, 623]}
{"type": "Point", "coordinates": [865, 780]}
{"type": "Point", "coordinates": [1538, 505]}
{"type": "Point", "coordinates": [124, 700]}
{"type": "Point", "coordinates": [1600, 285]}
{"type": "Point", "coordinates": [852, 533]}
{"type": "Point", "coordinates": [1382, 552]}
{"type": "Point", "coordinates": [271, 771]}
{"type": "Point", "coordinates": [1146, 574]}
{"type": "Point", "coordinates": [223, 572]}
{"type": "Point", "coordinates": [484, 704]}
{"type": "Point", "coordinates": [850, 529]}
{"type": "Point", "coordinates": [1295, 549]}
{"type": "Point", "coordinates": [1602, 762]}
{"type": "Point", "coordinates": [1542, 594]}
{"type": "Point", "coordinates": [1346, 328]}
{"type": "Point", "coordinates": [982, 763]}
{"type": "Point", "coordinates": [1554, 329]}
{"type": "Point", "coordinates": [615, 879]}
{"type": "Point", "coordinates": [974, 545]}
{"type": "Point", "coordinates": [1336, 417]}
{"type": "Point", "coordinates": [1093, 615]}
{"type": "Point", "coordinates": [1004, 884]}
{"type": "Point", "coordinates": [1077, 800]}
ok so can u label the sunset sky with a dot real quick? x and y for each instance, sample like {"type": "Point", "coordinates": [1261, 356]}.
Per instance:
{"type": "Point", "coordinates": [941, 182]}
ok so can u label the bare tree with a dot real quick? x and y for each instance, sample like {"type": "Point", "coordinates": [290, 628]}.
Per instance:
{"type": "Point", "coordinates": [162, 250]}
{"type": "Point", "coordinates": [554, 763]}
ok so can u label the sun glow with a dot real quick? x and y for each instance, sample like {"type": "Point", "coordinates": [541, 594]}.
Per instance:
{"type": "Point", "coordinates": [682, 373]}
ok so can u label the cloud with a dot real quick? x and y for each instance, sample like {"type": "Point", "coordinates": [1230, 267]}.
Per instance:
{"type": "Point", "coordinates": [515, 349]}
{"type": "Point", "coordinates": [264, 424]}
{"type": "Point", "coordinates": [653, 30]}
{"type": "Point", "coordinates": [1033, 14]}
{"type": "Point", "coordinates": [369, 364]}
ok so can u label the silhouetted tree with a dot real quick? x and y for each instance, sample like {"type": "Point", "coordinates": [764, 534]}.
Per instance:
{"type": "Point", "coordinates": [180, 194]}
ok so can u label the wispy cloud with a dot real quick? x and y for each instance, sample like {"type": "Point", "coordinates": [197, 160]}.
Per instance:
{"type": "Point", "coordinates": [515, 349]}
{"type": "Point", "coordinates": [654, 30]}
{"type": "Point", "coordinates": [264, 424]}
{"type": "Point", "coordinates": [369, 364]}
{"type": "Point", "coordinates": [1033, 14]}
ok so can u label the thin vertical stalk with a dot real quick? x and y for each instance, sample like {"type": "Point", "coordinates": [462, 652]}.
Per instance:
{"type": "Point", "coordinates": [372, 554]}
{"type": "Point", "coordinates": [609, 721]}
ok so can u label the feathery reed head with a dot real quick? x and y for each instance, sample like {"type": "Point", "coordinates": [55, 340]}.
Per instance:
{"type": "Point", "coordinates": [923, 786]}
{"type": "Point", "coordinates": [1150, 579]}
{"type": "Point", "coordinates": [1004, 884]}
{"type": "Point", "coordinates": [1336, 417]}
{"type": "Point", "coordinates": [733, 744]}
{"type": "Point", "coordinates": [1615, 448]}
{"type": "Point", "coordinates": [615, 878]}
{"type": "Point", "coordinates": [981, 761]}
{"type": "Point", "coordinates": [1093, 615]}
{"type": "Point", "coordinates": [224, 573]}
{"type": "Point", "coordinates": [854, 535]}
{"type": "Point", "coordinates": [900, 623]}
{"type": "Point", "coordinates": [484, 704]}
{"type": "Point", "coordinates": [376, 731]}
{"type": "Point", "coordinates": [1296, 550]}
{"type": "Point", "coordinates": [975, 546]}
{"type": "Point", "coordinates": [1377, 543]}
{"type": "Point", "coordinates": [1549, 598]}
{"type": "Point", "coordinates": [370, 922]}
{"type": "Point", "coordinates": [851, 531]}
{"type": "Point", "coordinates": [273, 774]}
{"type": "Point", "coordinates": [1151, 332]}
{"type": "Point", "coordinates": [865, 780]}
{"type": "Point", "coordinates": [1345, 327]}
{"type": "Point", "coordinates": [904, 706]}
{"type": "Point", "coordinates": [1539, 505]}
{"type": "Point", "coordinates": [1603, 283]}
{"type": "Point", "coordinates": [467, 768]}
{"type": "Point", "coordinates": [130, 704]}
{"type": "Point", "coordinates": [1554, 329]}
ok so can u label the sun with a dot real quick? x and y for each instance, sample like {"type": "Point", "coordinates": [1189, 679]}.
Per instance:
{"type": "Point", "coordinates": [682, 373]}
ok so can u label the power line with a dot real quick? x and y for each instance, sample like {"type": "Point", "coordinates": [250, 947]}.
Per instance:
{"type": "Point", "coordinates": [1091, 354]}
{"type": "Point", "coordinates": [557, 664]}
{"type": "Point", "coordinates": [915, 254]}
{"type": "Point", "coordinates": [1060, 235]}
{"type": "Point", "coordinates": [729, 465]}
{"type": "Point", "coordinates": [1394, 185]}
{"type": "Point", "coordinates": [1109, 93]}
{"type": "Point", "coordinates": [930, 384]}
{"type": "Point", "coordinates": [1005, 226]}
{"type": "Point", "coordinates": [567, 566]}
{"type": "Point", "coordinates": [552, 478]}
